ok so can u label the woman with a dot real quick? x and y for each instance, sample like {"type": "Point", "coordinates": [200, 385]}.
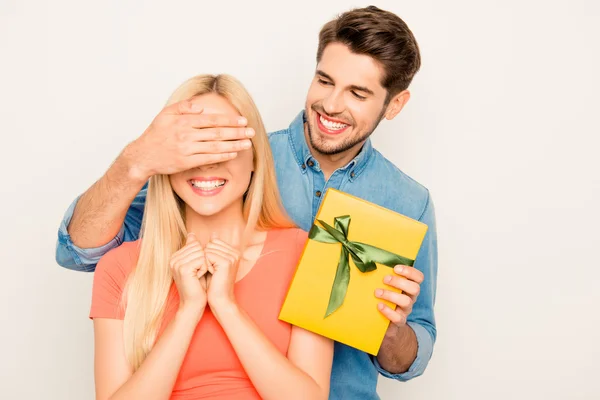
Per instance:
{"type": "Point", "coordinates": [191, 310]}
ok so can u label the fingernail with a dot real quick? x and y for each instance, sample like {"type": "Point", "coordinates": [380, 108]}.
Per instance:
{"type": "Point", "coordinates": [242, 121]}
{"type": "Point", "coordinates": [380, 306]}
{"type": "Point", "coordinates": [249, 132]}
{"type": "Point", "coordinates": [398, 269]}
{"type": "Point", "coordinates": [196, 108]}
{"type": "Point", "coordinates": [246, 145]}
{"type": "Point", "coordinates": [378, 292]}
{"type": "Point", "coordinates": [387, 279]}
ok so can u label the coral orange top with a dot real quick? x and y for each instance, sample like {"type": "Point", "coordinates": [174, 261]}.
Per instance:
{"type": "Point", "coordinates": [211, 368]}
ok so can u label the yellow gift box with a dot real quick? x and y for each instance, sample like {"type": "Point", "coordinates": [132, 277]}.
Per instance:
{"type": "Point", "coordinates": [343, 263]}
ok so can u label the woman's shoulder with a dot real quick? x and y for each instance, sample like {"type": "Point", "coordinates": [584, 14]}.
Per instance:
{"type": "Point", "coordinates": [289, 236]}
{"type": "Point", "coordinates": [122, 258]}
{"type": "Point", "coordinates": [290, 241]}
{"type": "Point", "coordinates": [289, 232]}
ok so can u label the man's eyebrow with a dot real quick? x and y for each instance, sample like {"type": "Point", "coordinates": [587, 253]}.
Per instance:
{"type": "Point", "coordinates": [324, 75]}
{"type": "Point", "coordinates": [352, 87]}
{"type": "Point", "coordinates": [362, 89]}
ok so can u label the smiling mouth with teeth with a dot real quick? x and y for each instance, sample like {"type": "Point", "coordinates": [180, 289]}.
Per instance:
{"type": "Point", "coordinates": [208, 185]}
{"type": "Point", "coordinates": [330, 126]}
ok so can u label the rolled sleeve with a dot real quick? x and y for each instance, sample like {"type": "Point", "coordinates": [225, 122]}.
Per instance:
{"type": "Point", "coordinates": [422, 317]}
{"type": "Point", "coordinates": [70, 256]}
{"type": "Point", "coordinates": [424, 352]}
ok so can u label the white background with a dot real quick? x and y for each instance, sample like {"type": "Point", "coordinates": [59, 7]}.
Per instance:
{"type": "Point", "coordinates": [502, 128]}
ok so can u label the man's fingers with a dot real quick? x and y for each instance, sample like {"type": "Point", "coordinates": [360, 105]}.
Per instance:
{"type": "Point", "coordinates": [213, 147]}
{"type": "Point", "coordinates": [410, 273]}
{"type": "Point", "coordinates": [192, 134]}
{"type": "Point", "coordinates": [409, 287]}
{"type": "Point", "coordinates": [185, 107]}
{"type": "Point", "coordinates": [401, 300]}
{"type": "Point", "coordinates": [200, 121]}
{"type": "Point", "coordinates": [396, 317]}
{"type": "Point", "coordinates": [199, 160]}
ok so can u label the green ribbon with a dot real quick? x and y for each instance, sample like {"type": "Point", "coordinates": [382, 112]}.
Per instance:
{"type": "Point", "coordinates": [364, 256]}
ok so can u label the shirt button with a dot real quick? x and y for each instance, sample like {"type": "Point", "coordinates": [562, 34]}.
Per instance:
{"type": "Point", "coordinates": [352, 174]}
{"type": "Point", "coordinates": [303, 166]}
{"type": "Point", "coordinates": [311, 163]}
{"type": "Point", "coordinates": [318, 193]}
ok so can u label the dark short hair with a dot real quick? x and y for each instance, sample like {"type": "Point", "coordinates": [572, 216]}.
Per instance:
{"type": "Point", "coordinates": [379, 34]}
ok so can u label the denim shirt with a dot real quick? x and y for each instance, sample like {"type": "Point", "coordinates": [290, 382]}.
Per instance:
{"type": "Point", "coordinates": [302, 186]}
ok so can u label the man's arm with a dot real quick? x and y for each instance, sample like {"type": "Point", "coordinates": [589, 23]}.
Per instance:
{"type": "Point", "coordinates": [100, 211]}
{"type": "Point", "coordinates": [408, 344]}
{"type": "Point", "coordinates": [181, 137]}
{"type": "Point", "coordinates": [70, 256]}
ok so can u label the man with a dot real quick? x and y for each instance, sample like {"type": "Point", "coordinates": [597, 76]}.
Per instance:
{"type": "Point", "coordinates": [366, 60]}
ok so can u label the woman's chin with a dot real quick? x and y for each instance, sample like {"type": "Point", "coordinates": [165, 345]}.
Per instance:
{"type": "Point", "coordinates": [206, 210]}
{"type": "Point", "coordinates": [210, 207]}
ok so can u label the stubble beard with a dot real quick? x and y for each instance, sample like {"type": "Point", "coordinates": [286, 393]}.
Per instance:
{"type": "Point", "coordinates": [320, 145]}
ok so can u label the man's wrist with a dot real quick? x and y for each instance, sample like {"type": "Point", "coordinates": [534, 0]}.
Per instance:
{"type": "Point", "coordinates": [399, 349]}
{"type": "Point", "coordinates": [130, 165]}
{"type": "Point", "coordinates": [393, 331]}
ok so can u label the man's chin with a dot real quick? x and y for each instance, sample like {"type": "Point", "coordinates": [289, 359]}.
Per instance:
{"type": "Point", "coordinates": [325, 146]}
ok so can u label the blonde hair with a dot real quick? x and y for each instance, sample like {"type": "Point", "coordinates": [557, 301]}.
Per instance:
{"type": "Point", "coordinates": [163, 228]}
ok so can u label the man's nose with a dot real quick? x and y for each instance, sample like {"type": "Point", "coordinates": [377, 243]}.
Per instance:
{"type": "Point", "coordinates": [334, 103]}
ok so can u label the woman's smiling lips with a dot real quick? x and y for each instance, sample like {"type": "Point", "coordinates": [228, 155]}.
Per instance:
{"type": "Point", "coordinates": [207, 186]}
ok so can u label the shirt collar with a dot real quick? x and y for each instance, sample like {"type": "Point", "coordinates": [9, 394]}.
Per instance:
{"type": "Point", "coordinates": [303, 155]}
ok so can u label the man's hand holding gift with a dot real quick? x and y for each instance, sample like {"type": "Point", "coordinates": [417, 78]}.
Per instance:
{"type": "Point", "coordinates": [399, 348]}
{"type": "Point", "coordinates": [408, 280]}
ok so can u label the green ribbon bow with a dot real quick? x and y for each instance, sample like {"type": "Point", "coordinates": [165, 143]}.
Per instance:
{"type": "Point", "coordinates": [364, 256]}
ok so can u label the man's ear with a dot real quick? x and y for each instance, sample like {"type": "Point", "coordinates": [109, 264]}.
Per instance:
{"type": "Point", "coordinates": [396, 104]}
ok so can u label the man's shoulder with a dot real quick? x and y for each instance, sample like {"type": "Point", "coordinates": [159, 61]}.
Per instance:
{"type": "Point", "coordinates": [282, 148]}
{"type": "Point", "coordinates": [279, 136]}
{"type": "Point", "coordinates": [399, 191]}
{"type": "Point", "coordinates": [400, 177]}
{"type": "Point", "coordinates": [282, 135]}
